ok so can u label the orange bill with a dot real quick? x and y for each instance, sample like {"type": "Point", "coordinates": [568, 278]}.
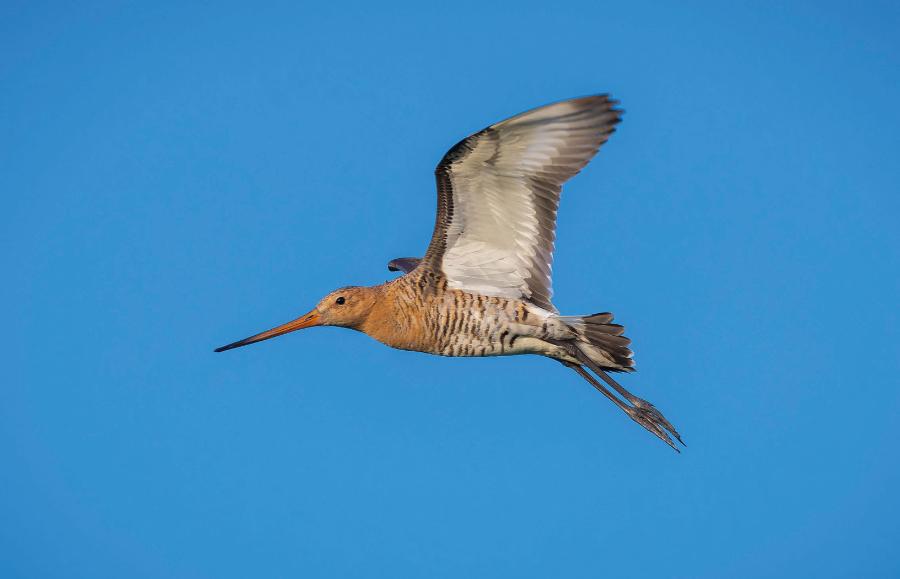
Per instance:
{"type": "Point", "coordinates": [307, 321]}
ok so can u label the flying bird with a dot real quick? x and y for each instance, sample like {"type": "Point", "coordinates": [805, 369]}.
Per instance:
{"type": "Point", "coordinates": [483, 287]}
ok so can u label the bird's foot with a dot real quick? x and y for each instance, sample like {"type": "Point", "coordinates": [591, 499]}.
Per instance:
{"type": "Point", "coordinates": [652, 419]}
{"type": "Point", "coordinates": [657, 415]}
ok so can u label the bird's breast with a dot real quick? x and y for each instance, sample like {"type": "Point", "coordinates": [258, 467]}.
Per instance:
{"type": "Point", "coordinates": [457, 323]}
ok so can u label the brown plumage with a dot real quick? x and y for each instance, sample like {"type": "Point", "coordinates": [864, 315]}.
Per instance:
{"type": "Point", "coordinates": [483, 287]}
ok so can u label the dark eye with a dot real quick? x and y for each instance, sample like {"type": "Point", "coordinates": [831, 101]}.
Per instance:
{"type": "Point", "coordinates": [340, 301]}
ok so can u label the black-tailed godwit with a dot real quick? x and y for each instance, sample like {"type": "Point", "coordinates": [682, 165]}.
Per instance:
{"type": "Point", "coordinates": [483, 287]}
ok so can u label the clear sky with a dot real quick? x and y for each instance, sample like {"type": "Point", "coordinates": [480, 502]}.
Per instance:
{"type": "Point", "coordinates": [175, 177]}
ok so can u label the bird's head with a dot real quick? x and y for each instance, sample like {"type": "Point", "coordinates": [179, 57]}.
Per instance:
{"type": "Point", "coordinates": [347, 307]}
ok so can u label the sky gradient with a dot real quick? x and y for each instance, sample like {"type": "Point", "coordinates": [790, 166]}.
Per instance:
{"type": "Point", "coordinates": [176, 177]}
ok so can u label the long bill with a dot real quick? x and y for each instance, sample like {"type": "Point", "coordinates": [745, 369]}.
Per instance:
{"type": "Point", "coordinates": [306, 321]}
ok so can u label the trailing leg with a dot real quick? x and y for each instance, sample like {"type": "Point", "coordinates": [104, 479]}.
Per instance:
{"type": "Point", "coordinates": [639, 410]}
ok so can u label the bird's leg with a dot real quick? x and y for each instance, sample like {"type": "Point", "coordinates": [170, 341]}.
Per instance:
{"type": "Point", "coordinates": [600, 387]}
{"type": "Point", "coordinates": [648, 417]}
{"type": "Point", "coordinates": [640, 403]}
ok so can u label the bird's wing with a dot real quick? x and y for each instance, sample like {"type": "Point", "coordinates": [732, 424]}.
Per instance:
{"type": "Point", "coordinates": [498, 193]}
{"type": "Point", "coordinates": [404, 264]}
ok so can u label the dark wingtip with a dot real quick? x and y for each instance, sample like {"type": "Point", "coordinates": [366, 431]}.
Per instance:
{"type": "Point", "coordinates": [404, 264]}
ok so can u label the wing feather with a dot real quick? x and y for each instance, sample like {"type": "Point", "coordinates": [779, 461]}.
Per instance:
{"type": "Point", "coordinates": [498, 194]}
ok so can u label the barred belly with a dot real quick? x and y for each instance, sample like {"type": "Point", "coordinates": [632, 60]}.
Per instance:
{"type": "Point", "coordinates": [426, 316]}
{"type": "Point", "coordinates": [464, 324]}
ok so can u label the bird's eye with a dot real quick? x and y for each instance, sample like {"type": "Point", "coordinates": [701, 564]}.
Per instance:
{"type": "Point", "coordinates": [340, 301]}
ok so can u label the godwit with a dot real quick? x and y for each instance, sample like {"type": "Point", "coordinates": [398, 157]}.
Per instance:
{"type": "Point", "coordinates": [484, 286]}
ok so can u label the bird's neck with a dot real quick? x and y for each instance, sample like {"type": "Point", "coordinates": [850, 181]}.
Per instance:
{"type": "Point", "coordinates": [390, 320]}
{"type": "Point", "coordinates": [373, 297]}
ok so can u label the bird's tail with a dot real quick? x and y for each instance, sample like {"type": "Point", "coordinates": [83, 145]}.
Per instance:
{"type": "Point", "coordinates": [602, 341]}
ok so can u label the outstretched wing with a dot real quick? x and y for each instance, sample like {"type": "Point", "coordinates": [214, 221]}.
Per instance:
{"type": "Point", "coordinates": [498, 193]}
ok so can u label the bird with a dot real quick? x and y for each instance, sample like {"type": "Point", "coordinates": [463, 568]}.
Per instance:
{"type": "Point", "coordinates": [484, 284]}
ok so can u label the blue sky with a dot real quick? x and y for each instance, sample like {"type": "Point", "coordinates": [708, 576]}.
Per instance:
{"type": "Point", "coordinates": [177, 176]}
